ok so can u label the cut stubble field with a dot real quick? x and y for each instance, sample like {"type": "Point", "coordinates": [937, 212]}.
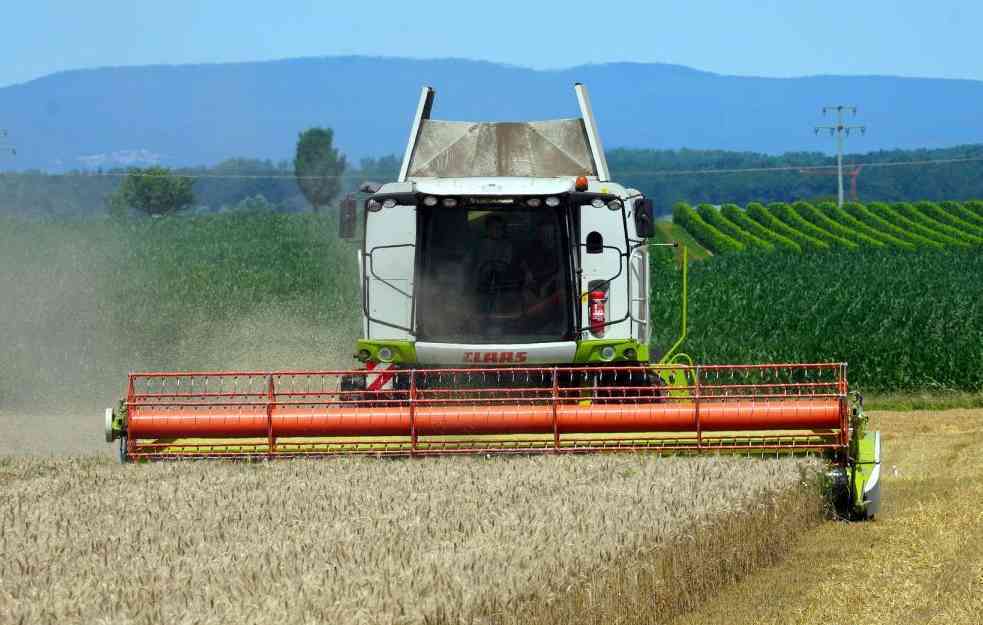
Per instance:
{"type": "Point", "coordinates": [921, 561]}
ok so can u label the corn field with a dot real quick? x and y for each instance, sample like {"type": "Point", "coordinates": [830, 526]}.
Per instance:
{"type": "Point", "coordinates": [904, 321]}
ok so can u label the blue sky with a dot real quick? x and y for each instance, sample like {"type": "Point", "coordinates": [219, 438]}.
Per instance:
{"type": "Point", "coordinates": [763, 38]}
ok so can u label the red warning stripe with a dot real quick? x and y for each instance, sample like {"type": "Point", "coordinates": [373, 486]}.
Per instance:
{"type": "Point", "coordinates": [385, 372]}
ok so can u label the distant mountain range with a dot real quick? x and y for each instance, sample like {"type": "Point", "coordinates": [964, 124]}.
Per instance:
{"type": "Point", "coordinates": [201, 114]}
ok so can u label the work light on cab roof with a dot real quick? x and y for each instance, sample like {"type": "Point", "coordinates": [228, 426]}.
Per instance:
{"type": "Point", "coordinates": [505, 309]}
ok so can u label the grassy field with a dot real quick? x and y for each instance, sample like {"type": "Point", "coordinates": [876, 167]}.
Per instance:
{"type": "Point", "coordinates": [920, 562]}
{"type": "Point", "coordinates": [458, 540]}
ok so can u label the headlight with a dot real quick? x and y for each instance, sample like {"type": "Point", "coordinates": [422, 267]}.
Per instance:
{"type": "Point", "coordinates": [385, 354]}
{"type": "Point", "coordinates": [534, 202]}
{"type": "Point", "coordinates": [552, 202]}
{"type": "Point", "coordinates": [363, 355]}
{"type": "Point", "coordinates": [615, 205]}
{"type": "Point", "coordinates": [388, 203]}
{"type": "Point", "coordinates": [607, 353]}
{"type": "Point", "coordinates": [430, 201]}
{"type": "Point", "coordinates": [373, 205]}
{"type": "Point", "coordinates": [449, 202]}
{"type": "Point", "coordinates": [597, 203]}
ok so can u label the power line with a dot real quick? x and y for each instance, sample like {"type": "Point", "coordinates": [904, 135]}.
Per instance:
{"type": "Point", "coordinates": [787, 168]}
{"type": "Point", "coordinates": [840, 131]}
{"type": "Point", "coordinates": [643, 173]}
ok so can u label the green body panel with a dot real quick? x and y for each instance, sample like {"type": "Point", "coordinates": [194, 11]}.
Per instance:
{"type": "Point", "coordinates": [404, 352]}
{"type": "Point", "coordinates": [119, 419]}
{"type": "Point", "coordinates": [677, 381]}
{"type": "Point", "coordinates": [590, 351]}
{"type": "Point", "coordinates": [867, 465]}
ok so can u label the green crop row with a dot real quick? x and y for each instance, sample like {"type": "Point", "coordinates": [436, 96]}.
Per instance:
{"type": "Point", "coordinates": [766, 218]}
{"type": "Point", "coordinates": [975, 208]}
{"type": "Point", "coordinates": [917, 222]}
{"type": "Point", "coordinates": [791, 216]}
{"type": "Point", "coordinates": [902, 320]}
{"type": "Point", "coordinates": [805, 227]}
{"type": "Point", "coordinates": [721, 222]}
{"type": "Point", "coordinates": [882, 219]}
{"type": "Point", "coordinates": [939, 220]}
{"type": "Point", "coordinates": [708, 235]}
{"type": "Point", "coordinates": [964, 215]}
{"type": "Point", "coordinates": [738, 216]}
{"type": "Point", "coordinates": [821, 219]}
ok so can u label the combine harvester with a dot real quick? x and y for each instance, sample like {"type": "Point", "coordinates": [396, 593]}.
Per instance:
{"type": "Point", "coordinates": [505, 309]}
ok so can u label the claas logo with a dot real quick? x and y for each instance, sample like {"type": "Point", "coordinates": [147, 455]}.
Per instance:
{"type": "Point", "coordinates": [495, 358]}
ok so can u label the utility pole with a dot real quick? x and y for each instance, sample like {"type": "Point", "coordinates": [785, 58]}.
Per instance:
{"type": "Point", "coordinates": [839, 131]}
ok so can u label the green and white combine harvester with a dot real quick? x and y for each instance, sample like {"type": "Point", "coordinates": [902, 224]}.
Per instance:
{"type": "Point", "coordinates": [505, 309]}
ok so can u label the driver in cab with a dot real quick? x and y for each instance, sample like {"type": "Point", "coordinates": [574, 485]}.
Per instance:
{"type": "Point", "coordinates": [493, 263]}
{"type": "Point", "coordinates": [541, 269]}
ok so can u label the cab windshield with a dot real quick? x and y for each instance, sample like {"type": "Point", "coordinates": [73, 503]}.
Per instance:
{"type": "Point", "coordinates": [493, 275]}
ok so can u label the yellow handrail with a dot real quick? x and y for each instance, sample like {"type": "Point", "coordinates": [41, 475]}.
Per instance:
{"type": "Point", "coordinates": [682, 335]}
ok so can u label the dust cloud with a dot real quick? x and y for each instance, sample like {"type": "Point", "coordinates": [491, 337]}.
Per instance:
{"type": "Point", "coordinates": [68, 338]}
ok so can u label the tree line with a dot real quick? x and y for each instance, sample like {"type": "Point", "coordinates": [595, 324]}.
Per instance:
{"type": "Point", "coordinates": [673, 176]}
{"type": "Point", "coordinates": [319, 174]}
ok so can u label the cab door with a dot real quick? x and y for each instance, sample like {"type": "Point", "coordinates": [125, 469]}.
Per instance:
{"type": "Point", "coordinates": [387, 268]}
{"type": "Point", "coordinates": [604, 273]}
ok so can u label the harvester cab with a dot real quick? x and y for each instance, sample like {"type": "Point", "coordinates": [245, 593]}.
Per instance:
{"type": "Point", "coordinates": [505, 309]}
{"type": "Point", "coordinates": [504, 244]}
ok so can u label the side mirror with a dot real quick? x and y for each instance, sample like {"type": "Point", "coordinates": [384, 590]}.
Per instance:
{"type": "Point", "coordinates": [645, 218]}
{"type": "Point", "coordinates": [346, 217]}
{"type": "Point", "coordinates": [595, 243]}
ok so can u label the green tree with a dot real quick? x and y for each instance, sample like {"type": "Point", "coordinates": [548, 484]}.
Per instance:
{"type": "Point", "coordinates": [318, 166]}
{"type": "Point", "coordinates": [154, 191]}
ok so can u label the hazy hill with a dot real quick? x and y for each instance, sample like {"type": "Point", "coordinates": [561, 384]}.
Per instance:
{"type": "Point", "coordinates": [199, 114]}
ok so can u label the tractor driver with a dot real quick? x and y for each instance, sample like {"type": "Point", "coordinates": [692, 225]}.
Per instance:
{"type": "Point", "coordinates": [493, 265]}
{"type": "Point", "coordinates": [541, 266]}
{"type": "Point", "coordinates": [541, 270]}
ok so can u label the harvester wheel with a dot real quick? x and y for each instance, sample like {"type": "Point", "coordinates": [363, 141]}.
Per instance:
{"type": "Point", "coordinates": [873, 499]}
{"type": "Point", "coordinates": [121, 454]}
{"type": "Point", "coordinates": [110, 435]}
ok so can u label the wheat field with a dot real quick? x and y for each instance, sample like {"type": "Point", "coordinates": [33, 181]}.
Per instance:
{"type": "Point", "coordinates": [458, 540]}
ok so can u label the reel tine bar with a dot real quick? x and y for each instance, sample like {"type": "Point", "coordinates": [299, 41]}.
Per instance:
{"type": "Point", "coordinates": [257, 414]}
